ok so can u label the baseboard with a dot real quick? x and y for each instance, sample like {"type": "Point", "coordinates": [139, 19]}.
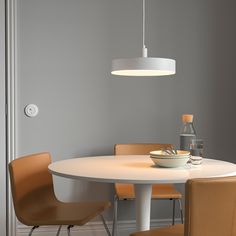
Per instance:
{"type": "Point", "coordinates": [90, 229]}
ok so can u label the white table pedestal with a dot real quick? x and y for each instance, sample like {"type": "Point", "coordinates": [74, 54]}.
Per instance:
{"type": "Point", "coordinates": [143, 194]}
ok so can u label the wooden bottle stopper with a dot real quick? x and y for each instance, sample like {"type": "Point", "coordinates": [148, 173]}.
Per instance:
{"type": "Point", "coordinates": [186, 118]}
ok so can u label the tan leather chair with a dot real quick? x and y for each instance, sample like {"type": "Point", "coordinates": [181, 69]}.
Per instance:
{"type": "Point", "coordinates": [35, 202]}
{"type": "Point", "coordinates": [159, 191]}
{"type": "Point", "coordinates": [210, 210]}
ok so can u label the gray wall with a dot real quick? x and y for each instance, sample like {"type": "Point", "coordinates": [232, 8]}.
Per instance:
{"type": "Point", "coordinates": [65, 49]}
{"type": "Point", "coordinates": [2, 122]}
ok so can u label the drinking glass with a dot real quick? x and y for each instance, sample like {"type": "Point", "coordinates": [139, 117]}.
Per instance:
{"type": "Point", "coordinates": [196, 147]}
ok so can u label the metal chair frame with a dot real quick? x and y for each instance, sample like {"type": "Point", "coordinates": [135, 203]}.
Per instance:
{"type": "Point", "coordinates": [71, 226]}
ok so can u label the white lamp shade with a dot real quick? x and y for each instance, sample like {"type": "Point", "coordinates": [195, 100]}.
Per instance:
{"type": "Point", "coordinates": [143, 66]}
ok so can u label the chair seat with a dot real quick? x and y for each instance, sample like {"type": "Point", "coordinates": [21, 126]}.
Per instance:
{"type": "Point", "coordinates": [159, 191]}
{"type": "Point", "coordinates": [175, 230]}
{"type": "Point", "coordinates": [60, 213]}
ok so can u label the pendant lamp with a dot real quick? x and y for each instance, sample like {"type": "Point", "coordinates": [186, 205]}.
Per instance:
{"type": "Point", "coordinates": [143, 66]}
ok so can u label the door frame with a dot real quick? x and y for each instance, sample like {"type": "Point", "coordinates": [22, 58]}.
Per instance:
{"type": "Point", "coordinates": [11, 73]}
{"type": "Point", "coordinates": [3, 197]}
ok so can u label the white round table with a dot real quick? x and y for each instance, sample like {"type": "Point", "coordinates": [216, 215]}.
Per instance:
{"type": "Point", "coordinates": [140, 171]}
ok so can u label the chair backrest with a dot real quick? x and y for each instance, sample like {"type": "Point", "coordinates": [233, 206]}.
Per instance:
{"type": "Point", "coordinates": [138, 148]}
{"type": "Point", "coordinates": [31, 183]}
{"type": "Point", "coordinates": [210, 207]}
{"type": "Point", "coordinates": [134, 149]}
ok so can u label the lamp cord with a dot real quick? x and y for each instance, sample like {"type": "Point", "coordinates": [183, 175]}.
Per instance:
{"type": "Point", "coordinates": [144, 17]}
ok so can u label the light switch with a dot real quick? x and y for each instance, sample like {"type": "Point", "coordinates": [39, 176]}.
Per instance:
{"type": "Point", "coordinates": [31, 110]}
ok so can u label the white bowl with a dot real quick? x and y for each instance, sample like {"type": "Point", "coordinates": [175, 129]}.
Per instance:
{"type": "Point", "coordinates": [170, 162]}
{"type": "Point", "coordinates": [163, 154]}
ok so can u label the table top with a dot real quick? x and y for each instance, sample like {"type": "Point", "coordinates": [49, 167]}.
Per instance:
{"type": "Point", "coordinates": [137, 169]}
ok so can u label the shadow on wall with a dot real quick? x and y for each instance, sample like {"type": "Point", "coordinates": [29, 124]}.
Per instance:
{"type": "Point", "coordinates": [222, 74]}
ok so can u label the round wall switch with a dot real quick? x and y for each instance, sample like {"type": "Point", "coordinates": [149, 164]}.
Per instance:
{"type": "Point", "coordinates": [31, 110]}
